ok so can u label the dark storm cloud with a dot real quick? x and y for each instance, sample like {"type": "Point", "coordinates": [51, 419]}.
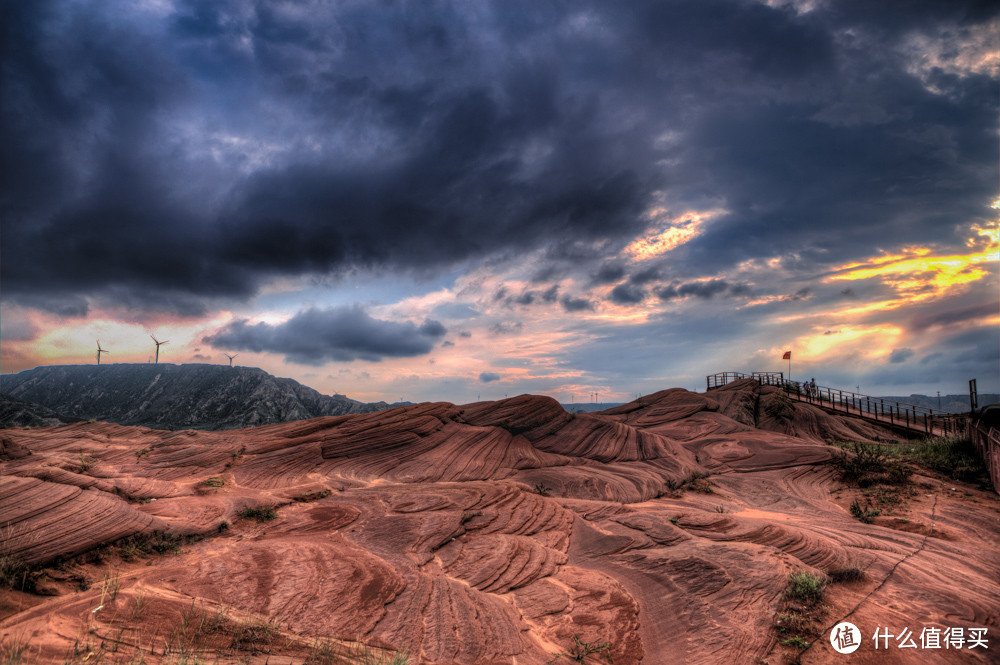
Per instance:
{"type": "Point", "coordinates": [432, 328]}
{"type": "Point", "coordinates": [645, 276]}
{"type": "Point", "coordinates": [403, 140]}
{"type": "Point", "coordinates": [506, 327]}
{"type": "Point", "coordinates": [316, 336]}
{"type": "Point", "coordinates": [486, 377]}
{"type": "Point", "coordinates": [953, 315]}
{"type": "Point", "coordinates": [703, 290]}
{"type": "Point", "coordinates": [549, 295]}
{"type": "Point", "coordinates": [194, 154]}
{"type": "Point", "coordinates": [609, 272]}
{"type": "Point", "coordinates": [571, 304]}
{"type": "Point", "coordinates": [900, 355]}
{"type": "Point", "coordinates": [628, 294]}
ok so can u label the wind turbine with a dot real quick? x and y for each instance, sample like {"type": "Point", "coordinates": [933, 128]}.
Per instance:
{"type": "Point", "coordinates": [230, 357]}
{"type": "Point", "coordinates": [158, 345]}
{"type": "Point", "coordinates": [100, 351]}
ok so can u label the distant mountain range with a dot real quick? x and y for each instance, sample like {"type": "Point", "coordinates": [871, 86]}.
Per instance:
{"type": "Point", "coordinates": [949, 403]}
{"type": "Point", "coordinates": [215, 397]}
{"type": "Point", "coordinates": [165, 396]}
{"type": "Point", "coordinates": [587, 407]}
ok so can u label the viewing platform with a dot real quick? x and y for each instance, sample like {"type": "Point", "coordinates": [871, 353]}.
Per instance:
{"type": "Point", "coordinates": [899, 415]}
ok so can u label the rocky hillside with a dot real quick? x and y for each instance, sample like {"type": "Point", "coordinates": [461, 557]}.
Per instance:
{"type": "Point", "coordinates": [166, 396]}
{"type": "Point", "coordinates": [18, 413]}
{"type": "Point", "coordinates": [667, 530]}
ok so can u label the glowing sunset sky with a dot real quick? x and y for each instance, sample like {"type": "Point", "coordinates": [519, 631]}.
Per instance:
{"type": "Point", "coordinates": [439, 202]}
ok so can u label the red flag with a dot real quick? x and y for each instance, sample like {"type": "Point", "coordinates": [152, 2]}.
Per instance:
{"type": "Point", "coordinates": [787, 356]}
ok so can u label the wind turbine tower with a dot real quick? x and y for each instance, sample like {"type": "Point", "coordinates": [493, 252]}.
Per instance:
{"type": "Point", "coordinates": [100, 351]}
{"type": "Point", "coordinates": [158, 345]}
{"type": "Point", "coordinates": [230, 357]}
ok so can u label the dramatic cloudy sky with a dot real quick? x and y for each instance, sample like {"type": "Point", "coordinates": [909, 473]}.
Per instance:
{"type": "Point", "coordinates": [436, 200]}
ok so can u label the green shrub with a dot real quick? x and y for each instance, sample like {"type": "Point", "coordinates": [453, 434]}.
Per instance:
{"type": "Point", "coordinates": [805, 587]}
{"type": "Point", "coordinates": [696, 482]}
{"type": "Point", "coordinates": [847, 574]}
{"type": "Point", "coordinates": [86, 462]}
{"type": "Point", "coordinates": [145, 544]}
{"type": "Point", "coordinates": [583, 649]}
{"type": "Point", "coordinates": [793, 622]}
{"type": "Point", "coordinates": [264, 513]}
{"type": "Point", "coordinates": [864, 465]}
{"type": "Point", "coordinates": [253, 636]}
{"type": "Point", "coordinates": [16, 574]}
{"type": "Point", "coordinates": [954, 456]}
{"type": "Point", "coordinates": [866, 514]}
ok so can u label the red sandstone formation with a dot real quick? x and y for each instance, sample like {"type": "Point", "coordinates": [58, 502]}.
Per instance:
{"type": "Point", "coordinates": [495, 532]}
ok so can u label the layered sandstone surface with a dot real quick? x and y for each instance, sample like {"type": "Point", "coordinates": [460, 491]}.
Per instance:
{"type": "Point", "coordinates": [489, 533]}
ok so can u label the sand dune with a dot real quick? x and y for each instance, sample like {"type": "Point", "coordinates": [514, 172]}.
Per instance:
{"type": "Point", "coordinates": [493, 532]}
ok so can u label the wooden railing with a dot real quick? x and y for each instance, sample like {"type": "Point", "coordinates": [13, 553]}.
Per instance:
{"type": "Point", "coordinates": [918, 419]}
{"type": "Point", "coordinates": [896, 414]}
{"type": "Point", "coordinates": [763, 378]}
{"type": "Point", "coordinates": [723, 378]}
{"type": "Point", "coordinates": [987, 442]}
{"type": "Point", "coordinates": [893, 412]}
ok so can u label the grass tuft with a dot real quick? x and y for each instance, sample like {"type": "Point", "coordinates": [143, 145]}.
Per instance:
{"type": "Point", "coordinates": [797, 642]}
{"type": "Point", "coordinates": [582, 649]}
{"type": "Point", "coordinates": [254, 636]}
{"type": "Point", "coordinates": [86, 462]}
{"type": "Point", "coordinates": [696, 482]}
{"type": "Point", "coordinates": [847, 574]}
{"type": "Point", "coordinates": [805, 587]}
{"type": "Point", "coordinates": [864, 465]}
{"type": "Point", "coordinates": [141, 545]}
{"type": "Point", "coordinates": [264, 513]}
{"type": "Point", "coordinates": [866, 514]}
{"type": "Point", "coordinates": [954, 456]}
{"type": "Point", "coordinates": [12, 651]}
{"type": "Point", "coordinates": [306, 497]}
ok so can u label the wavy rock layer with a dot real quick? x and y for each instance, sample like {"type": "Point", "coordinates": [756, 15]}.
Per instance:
{"type": "Point", "coordinates": [495, 532]}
